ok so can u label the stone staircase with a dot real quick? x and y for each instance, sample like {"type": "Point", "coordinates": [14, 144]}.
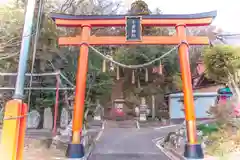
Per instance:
{"type": "Point", "coordinates": [117, 90]}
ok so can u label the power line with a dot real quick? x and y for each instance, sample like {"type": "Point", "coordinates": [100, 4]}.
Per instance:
{"type": "Point", "coordinates": [38, 23]}
{"type": "Point", "coordinates": [66, 79]}
{"type": "Point", "coordinates": [29, 74]}
{"type": "Point", "coordinates": [38, 88]}
{"type": "Point", "coordinates": [229, 35]}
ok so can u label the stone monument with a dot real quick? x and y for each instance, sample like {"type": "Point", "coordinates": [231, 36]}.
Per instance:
{"type": "Point", "coordinates": [65, 118]}
{"type": "Point", "coordinates": [33, 119]}
{"type": "Point", "coordinates": [48, 119]}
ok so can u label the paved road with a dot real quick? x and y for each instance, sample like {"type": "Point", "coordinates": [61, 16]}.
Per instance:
{"type": "Point", "coordinates": [129, 144]}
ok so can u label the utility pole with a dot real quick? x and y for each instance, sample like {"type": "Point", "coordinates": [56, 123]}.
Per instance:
{"type": "Point", "coordinates": [14, 124]}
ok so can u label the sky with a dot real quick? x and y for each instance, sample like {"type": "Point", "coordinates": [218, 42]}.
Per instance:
{"type": "Point", "coordinates": [228, 10]}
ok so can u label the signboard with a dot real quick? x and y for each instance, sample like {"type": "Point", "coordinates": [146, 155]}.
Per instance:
{"type": "Point", "coordinates": [133, 28]}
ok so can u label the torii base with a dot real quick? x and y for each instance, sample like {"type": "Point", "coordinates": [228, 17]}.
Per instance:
{"type": "Point", "coordinates": [75, 151]}
{"type": "Point", "coordinates": [193, 151]}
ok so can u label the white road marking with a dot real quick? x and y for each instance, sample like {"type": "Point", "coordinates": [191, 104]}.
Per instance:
{"type": "Point", "coordinates": [158, 145]}
{"type": "Point", "coordinates": [165, 127]}
{"type": "Point", "coordinates": [97, 139]}
{"type": "Point", "coordinates": [156, 139]}
{"type": "Point", "coordinates": [138, 126]}
{"type": "Point", "coordinates": [101, 132]}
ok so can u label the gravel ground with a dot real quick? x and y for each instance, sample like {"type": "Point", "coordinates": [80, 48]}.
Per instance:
{"type": "Point", "coordinates": [38, 147]}
{"type": "Point", "coordinates": [41, 150]}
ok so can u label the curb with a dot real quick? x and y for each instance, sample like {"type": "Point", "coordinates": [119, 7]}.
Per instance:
{"type": "Point", "coordinates": [96, 138]}
{"type": "Point", "coordinates": [170, 153]}
{"type": "Point", "coordinates": [173, 155]}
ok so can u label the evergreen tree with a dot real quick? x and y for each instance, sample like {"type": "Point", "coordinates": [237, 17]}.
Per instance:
{"type": "Point", "coordinates": [144, 53]}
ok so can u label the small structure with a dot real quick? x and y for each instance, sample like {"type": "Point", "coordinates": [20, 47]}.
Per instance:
{"type": "Point", "coordinates": [118, 109]}
{"type": "Point", "coordinates": [202, 103]}
{"type": "Point", "coordinates": [228, 38]}
{"type": "Point", "coordinates": [205, 95]}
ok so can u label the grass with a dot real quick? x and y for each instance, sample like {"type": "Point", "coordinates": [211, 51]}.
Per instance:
{"type": "Point", "coordinates": [208, 128]}
{"type": "Point", "coordinates": [223, 143]}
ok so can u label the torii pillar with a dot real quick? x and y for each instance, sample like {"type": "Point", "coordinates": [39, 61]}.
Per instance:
{"type": "Point", "coordinates": [134, 36]}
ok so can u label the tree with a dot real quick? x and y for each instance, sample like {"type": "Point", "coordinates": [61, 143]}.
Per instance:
{"type": "Point", "coordinates": [196, 52]}
{"type": "Point", "coordinates": [67, 58]}
{"type": "Point", "coordinates": [135, 55]}
{"type": "Point", "coordinates": [49, 56]}
{"type": "Point", "coordinates": [221, 61]}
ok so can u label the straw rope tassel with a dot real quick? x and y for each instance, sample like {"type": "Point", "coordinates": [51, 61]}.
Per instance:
{"type": "Point", "coordinates": [160, 68]}
{"type": "Point", "coordinates": [133, 77]}
{"type": "Point", "coordinates": [146, 75]}
{"type": "Point", "coordinates": [118, 74]}
{"type": "Point", "coordinates": [104, 63]}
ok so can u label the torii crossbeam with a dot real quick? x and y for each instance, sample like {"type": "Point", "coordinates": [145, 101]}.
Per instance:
{"type": "Point", "coordinates": [134, 36]}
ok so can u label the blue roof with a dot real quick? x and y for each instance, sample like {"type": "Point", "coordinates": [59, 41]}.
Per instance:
{"type": "Point", "coordinates": [199, 94]}
{"type": "Point", "coordinates": [224, 90]}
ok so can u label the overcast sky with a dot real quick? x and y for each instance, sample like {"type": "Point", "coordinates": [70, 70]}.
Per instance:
{"type": "Point", "coordinates": [228, 10]}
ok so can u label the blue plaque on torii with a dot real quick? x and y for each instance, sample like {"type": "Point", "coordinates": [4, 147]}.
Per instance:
{"type": "Point", "coordinates": [133, 28]}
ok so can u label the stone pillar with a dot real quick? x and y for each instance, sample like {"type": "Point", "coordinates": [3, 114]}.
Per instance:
{"type": "Point", "coordinates": [153, 107]}
{"type": "Point", "coordinates": [48, 119]}
{"type": "Point", "coordinates": [98, 112]}
{"type": "Point", "coordinates": [143, 110]}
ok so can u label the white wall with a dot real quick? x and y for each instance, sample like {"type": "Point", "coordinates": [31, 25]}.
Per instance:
{"type": "Point", "coordinates": [202, 103]}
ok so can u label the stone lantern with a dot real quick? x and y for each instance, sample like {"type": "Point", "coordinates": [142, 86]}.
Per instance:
{"type": "Point", "coordinates": [143, 109]}
{"type": "Point", "coordinates": [99, 111]}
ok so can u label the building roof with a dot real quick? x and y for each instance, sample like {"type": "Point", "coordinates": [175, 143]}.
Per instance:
{"type": "Point", "coordinates": [228, 38]}
{"type": "Point", "coordinates": [194, 88]}
{"type": "Point", "coordinates": [211, 14]}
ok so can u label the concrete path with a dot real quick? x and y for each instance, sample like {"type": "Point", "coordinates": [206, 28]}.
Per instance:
{"type": "Point", "coordinates": [129, 144]}
{"type": "Point", "coordinates": [118, 141]}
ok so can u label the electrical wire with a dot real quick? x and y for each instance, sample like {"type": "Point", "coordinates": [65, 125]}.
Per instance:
{"type": "Point", "coordinates": [39, 19]}
{"type": "Point", "coordinates": [66, 79]}
{"type": "Point", "coordinates": [38, 88]}
{"type": "Point", "coordinates": [29, 74]}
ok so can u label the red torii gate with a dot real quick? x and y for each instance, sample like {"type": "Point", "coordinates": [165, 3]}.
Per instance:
{"type": "Point", "coordinates": [134, 36]}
